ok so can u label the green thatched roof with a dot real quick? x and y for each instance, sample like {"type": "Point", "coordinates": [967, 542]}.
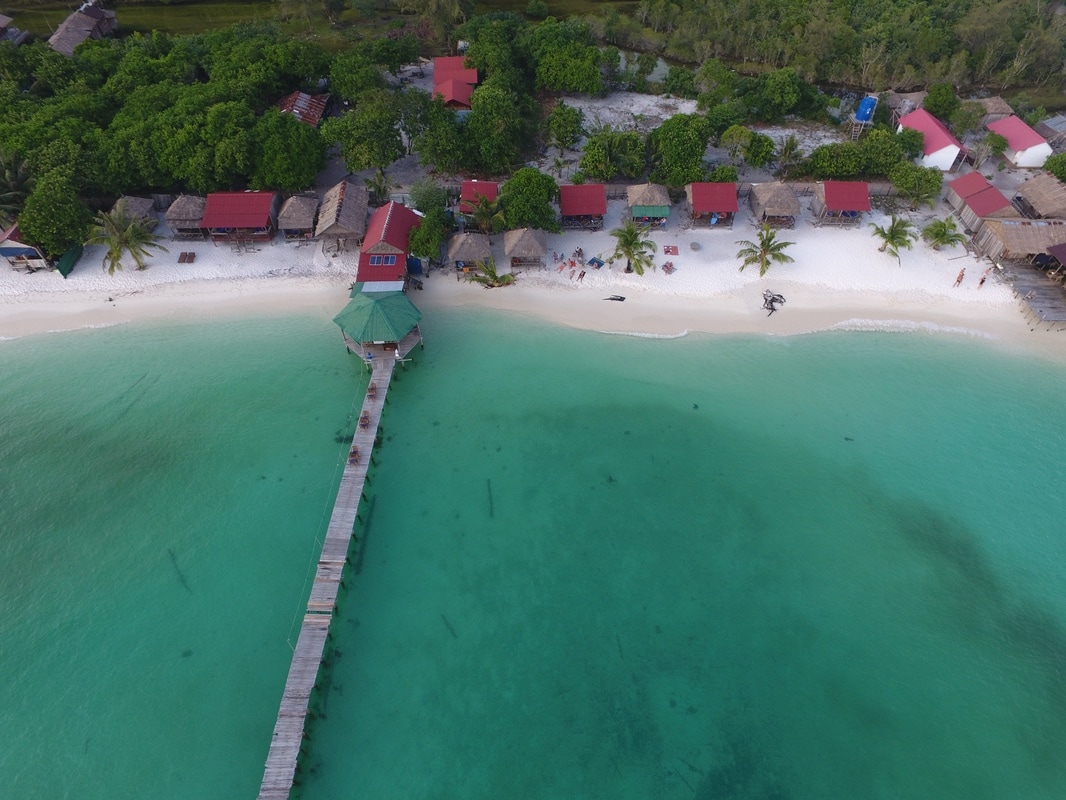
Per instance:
{"type": "Point", "coordinates": [378, 317]}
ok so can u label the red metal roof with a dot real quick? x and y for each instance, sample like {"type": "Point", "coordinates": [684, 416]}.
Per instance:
{"type": "Point", "coordinates": [708, 198]}
{"type": "Point", "coordinates": [306, 107]}
{"type": "Point", "coordinates": [580, 200]}
{"type": "Point", "coordinates": [455, 91]}
{"type": "Point", "coordinates": [987, 201]}
{"type": "Point", "coordinates": [386, 235]}
{"type": "Point", "coordinates": [1019, 136]}
{"type": "Point", "coordinates": [470, 191]}
{"type": "Point", "coordinates": [969, 184]}
{"type": "Point", "coordinates": [847, 196]}
{"type": "Point", "coordinates": [448, 67]}
{"type": "Point", "coordinates": [238, 210]}
{"type": "Point", "coordinates": [936, 134]}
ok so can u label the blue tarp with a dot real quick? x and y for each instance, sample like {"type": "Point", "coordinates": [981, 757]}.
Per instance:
{"type": "Point", "coordinates": [866, 109]}
{"type": "Point", "coordinates": [414, 266]}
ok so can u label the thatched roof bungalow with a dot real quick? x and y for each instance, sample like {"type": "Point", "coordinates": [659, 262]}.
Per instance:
{"type": "Point", "coordinates": [136, 207]}
{"type": "Point", "coordinates": [1008, 239]}
{"type": "Point", "coordinates": [185, 215]}
{"type": "Point", "coordinates": [88, 22]}
{"type": "Point", "coordinates": [996, 108]}
{"type": "Point", "coordinates": [296, 220]}
{"type": "Point", "coordinates": [774, 204]}
{"type": "Point", "coordinates": [649, 203]}
{"type": "Point", "coordinates": [1042, 197]}
{"type": "Point", "coordinates": [467, 251]}
{"type": "Point", "coordinates": [342, 215]}
{"type": "Point", "coordinates": [524, 247]}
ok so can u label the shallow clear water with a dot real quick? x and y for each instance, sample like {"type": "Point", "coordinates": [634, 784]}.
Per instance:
{"type": "Point", "coordinates": [824, 566]}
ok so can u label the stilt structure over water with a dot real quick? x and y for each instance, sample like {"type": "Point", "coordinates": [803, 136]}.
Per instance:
{"type": "Point", "coordinates": [397, 321]}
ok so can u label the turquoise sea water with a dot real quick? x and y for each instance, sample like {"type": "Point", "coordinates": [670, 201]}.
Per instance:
{"type": "Point", "coordinates": [814, 567]}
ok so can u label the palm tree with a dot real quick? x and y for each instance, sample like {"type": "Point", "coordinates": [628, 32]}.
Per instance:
{"type": "Point", "coordinates": [487, 214]}
{"type": "Point", "coordinates": [634, 246]}
{"type": "Point", "coordinates": [789, 155]}
{"type": "Point", "coordinates": [15, 185]}
{"type": "Point", "coordinates": [122, 233]}
{"type": "Point", "coordinates": [490, 278]}
{"type": "Point", "coordinates": [379, 186]}
{"type": "Point", "coordinates": [765, 251]}
{"type": "Point", "coordinates": [898, 233]}
{"type": "Point", "coordinates": [943, 233]}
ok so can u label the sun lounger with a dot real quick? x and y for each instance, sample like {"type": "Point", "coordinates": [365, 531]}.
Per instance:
{"type": "Point", "coordinates": [353, 456]}
{"type": "Point", "coordinates": [183, 257]}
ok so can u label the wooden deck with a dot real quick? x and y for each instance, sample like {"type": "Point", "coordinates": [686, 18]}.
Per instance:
{"type": "Point", "coordinates": [1044, 297]}
{"type": "Point", "coordinates": [284, 754]}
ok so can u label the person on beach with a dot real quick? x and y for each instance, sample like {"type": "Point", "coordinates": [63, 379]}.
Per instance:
{"type": "Point", "coordinates": [962, 274]}
{"type": "Point", "coordinates": [981, 282]}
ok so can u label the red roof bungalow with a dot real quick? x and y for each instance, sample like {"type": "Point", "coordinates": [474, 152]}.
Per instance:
{"type": "Point", "coordinates": [471, 191]}
{"type": "Point", "coordinates": [941, 149]}
{"type": "Point", "coordinates": [383, 256]}
{"type": "Point", "coordinates": [308, 108]}
{"type": "Point", "coordinates": [241, 216]}
{"type": "Point", "coordinates": [1025, 147]}
{"type": "Point", "coordinates": [840, 202]}
{"type": "Point", "coordinates": [455, 94]}
{"type": "Point", "coordinates": [583, 205]}
{"type": "Point", "coordinates": [453, 81]}
{"type": "Point", "coordinates": [712, 203]}
{"type": "Point", "coordinates": [973, 198]}
{"type": "Point", "coordinates": [448, 67]}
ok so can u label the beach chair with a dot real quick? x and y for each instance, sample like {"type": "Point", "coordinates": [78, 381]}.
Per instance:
{"type": "Point", "coordinates": [353, 455]}
{"type": "Point", "coordinates": [183, 257]}
{"type": "Point", "coordinates": [372, 391]}
{"type": "Point", "coordinates": [364, 421]}
{"type": "Point", "coordinates": [190, 257]}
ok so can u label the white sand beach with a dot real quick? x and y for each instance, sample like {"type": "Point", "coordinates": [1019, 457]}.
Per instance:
{"type": "Point", "coordinates": [839, 280]}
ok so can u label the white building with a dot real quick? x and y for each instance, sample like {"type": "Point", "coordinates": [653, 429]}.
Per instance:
{"type": "Point", "coordinates": [942, 150]}
{"type": "Point", "coordinates": [1025, 147]}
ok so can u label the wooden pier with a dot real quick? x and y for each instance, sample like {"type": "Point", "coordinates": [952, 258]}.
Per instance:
{"type": "Point", "coordinates": [1044, 296]}
{"type": "Point", "coordinates": [289, 730]}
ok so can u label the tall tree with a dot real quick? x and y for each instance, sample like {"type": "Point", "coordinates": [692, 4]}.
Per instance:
{"type": "Point", "coordinates": [763, 252]}
{"type": "Point", "coordinates": [288, 153]}
{"type": "Point", "coordinates": [632, 244]}
{"type": "Point", "coordinates": [369, 135]}
{"type": "Point", "coordinates": [676, 149]}
{"type": "Point", "coordinates": [920, 185]}
{"type": "Point", "coordinates": [123, 233]}
{"type": "Point", "coordinates": [527, 200]}
{"type": "Point", "coordinates": [899, 233]}
{"type": "Point", "coordinates": [943, 233]}
{"type": "Point", "coordinates": [53, 216]}
{"type": "Point", "coordinates": [16, 183]}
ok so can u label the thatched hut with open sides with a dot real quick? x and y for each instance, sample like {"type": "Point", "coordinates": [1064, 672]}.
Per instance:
{"type": "Point", "coordinates": [386, 319]}
{"type": "Point", "coordinates": [296, 220]}
{"type": "Point", "coordinates": [524, 247]}
{"type": "Point", "coordinates": [973, 200]}
{"type": "Point", "coordinates": [1014, 239]}
{"type": "Point", "coordinates": [774, 204]}
{"type": "Point", "coordinates": [342, 215]}
{"type": "Point", "coordinates": [184, 217]}
{"type": "Point", "coordinates": [136, 207]}
{"type": "Point", "coordinates": [1042, 197]}
{"type": "Point", "coordinates": [468, 251]}
{"type": "Point", "coordinates": [649, 204]}
{"type": "Point", "coordinates": [712, 203]}
{"type": "Point", "coordinates": [840, 202]}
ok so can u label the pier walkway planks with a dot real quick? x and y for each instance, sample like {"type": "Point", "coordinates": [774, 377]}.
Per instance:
{"type": "Point", "coordinates": [284, 754]}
